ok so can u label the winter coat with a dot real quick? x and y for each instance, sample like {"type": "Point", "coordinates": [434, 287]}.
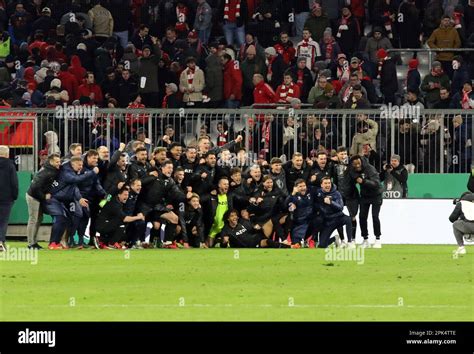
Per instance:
{"type": "Point", "coordinates": [148, 68]}
{"type": "Point", "coordinates": [76, 68]}
{"type": "Point", "coordinates": [370, 189]}
{"type": "Point", "coordinates": [333, 210]}
{"type": "Point", "coordinates": [232, 81]}
{"type": "Point", "coordinates": [369, 137]}
{"type": "Point", "coordinates": [444, 38]}
{"type": "Point", "coordinates": [214, 78]}
{"type": "Point", "coordinates": [198, 85]}
{"type": "Point", "coordinates": [8, 176]}
{"type": "Point", "coordinates": [102, 21]}
{"type": "Point", "coordinates": [43, 182]}
{"type": "Point", "coordinates": [373, 45]}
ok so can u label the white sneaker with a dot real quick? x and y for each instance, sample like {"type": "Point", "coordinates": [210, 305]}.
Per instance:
{"type": "Point", "coordinates": [351, 245]}
{"type": "Point", "coordinates": [2, 247]}
{"type": "Point", "coordinates": [337, 241]}
{"type": "Point", "coordinates": [344, 244]}
{"type": "Point", "coordinates": [365, 244]}
{"type": "Point", "coordinates": [377, 244]}
{"type": "Point", "coordinates": [460, 250]}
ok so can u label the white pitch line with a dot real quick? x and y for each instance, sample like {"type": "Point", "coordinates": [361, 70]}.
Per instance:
{"type": "Point", "coordinates": [254, 305]}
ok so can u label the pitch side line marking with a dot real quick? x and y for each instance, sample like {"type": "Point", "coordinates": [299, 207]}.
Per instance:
{"type": "Point", "coordinates": [249, 305]}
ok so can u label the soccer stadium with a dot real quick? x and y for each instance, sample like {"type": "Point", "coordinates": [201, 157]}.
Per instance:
{"type": "Point", "coordinates": [236, 160]}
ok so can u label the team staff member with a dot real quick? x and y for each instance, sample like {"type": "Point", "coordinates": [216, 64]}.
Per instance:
{"type": "Point", "coordinates": [38, 193]}
{"type": "Point", "coordinates": [367, 177]}
{"type": "Point", "coordinates": [112, 219]}
{"type": "Point", "coordinates": [331, 207]}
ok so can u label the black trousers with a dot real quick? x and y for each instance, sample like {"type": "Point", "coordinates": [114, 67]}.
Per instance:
{"type": "Point", "coordinates": [364, 214]}
{"type": "Point", "coordinates": [112, 235]}
{"type": "Point", "coordinates": [5, 209]}
{"type": "Point", "coordinates": [329, 226]}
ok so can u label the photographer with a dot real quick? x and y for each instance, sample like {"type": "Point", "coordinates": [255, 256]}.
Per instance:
{"type": "Point", "coordinates": [394, 177]}
{"type": "Point", "coordinates": [462, 218]}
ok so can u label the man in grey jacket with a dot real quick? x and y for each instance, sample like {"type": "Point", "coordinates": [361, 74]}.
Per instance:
{"type": "Point", "coordinates": [214, 77]}
{"type": "Point", "coordinates": [376, 42]}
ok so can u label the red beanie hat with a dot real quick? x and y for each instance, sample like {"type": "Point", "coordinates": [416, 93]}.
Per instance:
{"type": "Point", "coordinates": [413, 63]}
{"type": "Point", "coordinates": [381, 53]}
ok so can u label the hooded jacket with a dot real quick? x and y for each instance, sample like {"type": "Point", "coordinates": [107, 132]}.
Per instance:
{"type": "Point", "coordinates": [43, 182]}
{"type": "Point", "coordinates": [370, 189]}
{"type": "Point", "coordinates": [333, 210]}
{"type": "Point", "coordinates": [148, 68]}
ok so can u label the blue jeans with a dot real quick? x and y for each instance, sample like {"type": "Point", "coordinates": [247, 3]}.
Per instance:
{"type": "Point", "coordinates": [204, 35]}
{"type": "Point", "coordinates": [122, 37]}
{"type": "Point", "coordinates": [231, 104]}
{"type": "Point", "coordinates": [231, 31]}
{"type": "Point", "coordinates": [5, 209]}
{"type": "Point", "coordinates": [298, 232]}
{"type": "Point", "coordinates": [300, 20]}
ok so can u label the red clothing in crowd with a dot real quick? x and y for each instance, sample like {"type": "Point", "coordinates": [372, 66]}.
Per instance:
{"type": "Point", "coordinates": [69, 83]}
{"type": "Point", "coordinates": [86, 90]}
{"type": "Point", "coordinates": [263, 93]}
{"type": "Point", "coordinates": [283, 92]}
{"type": "Point", "coordinates": [232, 80]}
{"type": "Point", "coordinates": [76, 68]}
{"type": "Point", "coordinates": [29, 76]}
{"type": "Point", "coordinates": [135, 121]}
{"type": "Point", "coordinates": [288, 52]}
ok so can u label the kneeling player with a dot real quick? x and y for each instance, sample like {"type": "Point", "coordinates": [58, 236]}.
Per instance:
{"type": "Point", "coordinates": [112, 219]}
{"type": "Point", "coordinates": [330, 204]}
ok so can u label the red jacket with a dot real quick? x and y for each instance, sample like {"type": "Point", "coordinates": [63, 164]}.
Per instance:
{"type": "Point", "coordinates": [357, 8]}
{"type": "Point", "coordinates": [283, 92]}
{"type": "Point", "coordinates": [87, 90]}
{"type": "Point", "coordinates": [76, 68]}
{"type": "Point", "coordinates": [288, 52]}
{"type": "Point", "coordinates": [263, 93]}
{"type": "Point", "coordinates": [232, 80]}
{"type": "Point", "coordinates": [69, 83]}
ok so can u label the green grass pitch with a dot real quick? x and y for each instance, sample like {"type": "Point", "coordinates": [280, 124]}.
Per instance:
{"type": "Point", "coordinates": [396, 283]}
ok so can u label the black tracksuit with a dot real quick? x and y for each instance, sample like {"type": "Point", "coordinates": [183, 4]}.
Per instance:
{"type": "Point", "coordinates": [189, 219]}
{"type": "Point", "coordinates": [110, 222]}
{"type": "Point", "coordinates": [370, 194]}
{"type": "Point", "coordinates": [292, 174]}
{"type": "Point", "coordinates": [114, 175]}
{"type": "Point", "coordinates": [242, 235]}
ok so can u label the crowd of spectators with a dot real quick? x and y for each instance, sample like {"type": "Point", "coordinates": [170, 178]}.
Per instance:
{"type": "Point", "coordinates": [220, 53]}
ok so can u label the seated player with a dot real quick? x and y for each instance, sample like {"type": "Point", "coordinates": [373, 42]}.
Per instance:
{"type": "Point", "coordinates": [239, 233]}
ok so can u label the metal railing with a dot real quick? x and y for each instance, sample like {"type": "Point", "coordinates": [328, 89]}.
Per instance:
{"type": "Point", "coordinates": [429, 142]}
{"type": "Point", "coordinates": [430, 51]}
